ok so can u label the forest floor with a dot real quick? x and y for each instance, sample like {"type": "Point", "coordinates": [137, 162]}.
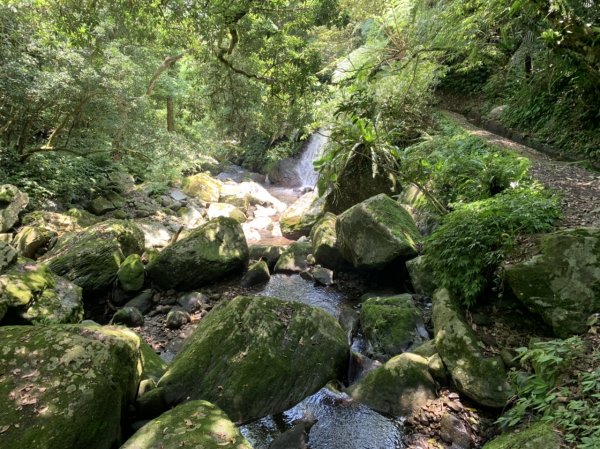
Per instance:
{"type": "Point", "coordinates": [578, 188]}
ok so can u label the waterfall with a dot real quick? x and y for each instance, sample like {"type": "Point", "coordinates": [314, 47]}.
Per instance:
{"type": "Point", "coordinates": [305, 169]}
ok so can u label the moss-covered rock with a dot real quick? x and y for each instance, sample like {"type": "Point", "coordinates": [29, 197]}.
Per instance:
{"type": "Point", "coordinates": [421, 278]}
{"type": "Point", "coordinates": [268, 253]}
{"type": "Point", "coordinates": [203, 186]}
{"type": "Point", "coordinates": [300, 217]}
{"type": "Point", "coordinates": [32, 241]}
{"type": "Point", "coordinates": [101, 205]}
{"type": "Point", "coordinates": [416, 204]}
{"type": "Point", "coordinates": [65, 386]}
{"type": "Point", "coordinates": [324, 243]}
{"type": "Point", "coordinates": [209, 253]}
{"type": "Point", "coordinates": [12, 203]}
{"type": "Point", "coordinates": [74, 220]}
{"type": "Point", "coordinates": [399, 387]}
{"type": "Point", "coordinates": [153, 366]}
{"type": "Point", "coordinates": [258, 273]}
{"type": "Point", "coordinates": [537, 436]}
{"type": "Point", "coordinates": [8, 256]}
{"type": "Point", "coordinates": [483, 379]}
{"type": "Point", "coordinates": [256, 356]}
{"type": "Point", "coordinates": [293, 259]}
{"type": "Point", "coordinates": [31, 293]}
{"type": "Point", "coordinates": [131, 273]}
{"type": "Point", "coordinates": [562, 283]}
{"type": "Point", "coordinates": [91, 258]}
{"type": "Point", "coordinates": [225, 210]}
{"type": "Point", "coordinates": [376, 232]}
{"type": "Point", "coordinates": [195, 424]}
{"type": "Point", "coordinates": [390, 324]}
{"type": "Point", "coordinates": [128, 316]}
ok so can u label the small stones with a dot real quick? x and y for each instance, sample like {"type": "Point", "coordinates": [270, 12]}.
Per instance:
{"type": "Point", "coordinates": [177, 318]}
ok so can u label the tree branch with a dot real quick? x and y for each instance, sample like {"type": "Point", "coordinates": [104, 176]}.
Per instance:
{"type": "Point", "coordinates": [166, 65]}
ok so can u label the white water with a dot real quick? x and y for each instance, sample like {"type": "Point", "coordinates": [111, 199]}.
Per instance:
{"type": "Point", "coordinates": [305, 169]}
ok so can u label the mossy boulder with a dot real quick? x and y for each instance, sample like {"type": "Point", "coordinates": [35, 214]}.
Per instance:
{"type": "Point", "coordinates": [562, 283]}
{"type": "Point", "coordinates": [32, 241]}
{"type": "Point", "coordinates": [376, 233]}
{"type": "Point", "coordinates": [420, 276]}
{"type": "Point", "coordinates": [195, 424]}
{"type": "Point", "coordinates": [203, 187]}
{"type": "Point", "coordinates": [258, 273]}
{"type": "Point", "coordinates": [301, 216]}
{"type": "Point", "coordinates": [268, 253]}
{"type": "Point", "coordinates": [483, 379]}
{"type": "Point", "coordinates": [293, 259]}
{"type": "Point", "coordinates": [31, 293]}
{"type": "Point", "coordinates": [101, 205]}
{"type": "Point", "coordinates": [131, 273]}
{"type": "Point", "coordinates": [74, 220]}
{"type": "Point", "coordinates": [537, 436]}
{"type": "Point", "coordinates": [12, 203]}
{"type": "Point", "coordinates": [256, 356]}
{"type": "Point", "coordinates": [324, 242]}
{"type": "Point", "coordinates": [400, 387]}
{"type": "Point", "coordinates": [91, 258]}
{"type": "Point", "coordinates": [66, 387]}
{"type": "Point", "coordinates": [225, 210]}
{"type": "Point", "coordinates": [153, 366]}
{"type": "Point", "coordinates": [8, 256]}
{"type": "Point", "coordinates": [210, 252]}
{"type": "Point", "coordinates": [417, 205]}
{"type": "Point", "coordinates": [390, 324]}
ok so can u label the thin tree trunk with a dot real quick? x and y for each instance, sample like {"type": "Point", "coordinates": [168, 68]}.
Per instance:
{"type": "Point", "coordinates": [170, 115]}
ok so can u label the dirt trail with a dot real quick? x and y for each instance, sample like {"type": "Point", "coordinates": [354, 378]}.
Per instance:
{"type": "Point", "coordinates": [577, 187]}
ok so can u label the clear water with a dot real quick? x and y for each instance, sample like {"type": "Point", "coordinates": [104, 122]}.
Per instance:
{"type": "Point", "coordinates": [305, 169]}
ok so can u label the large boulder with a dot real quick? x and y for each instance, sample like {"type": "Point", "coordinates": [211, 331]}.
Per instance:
{"type": "Point", "coordinates": [376, 233]}
{"type": "Point", "coordinates": [12, 203]}
{"type": "Point", "coordinates": [357, 182]}
{"type": "Point", "coordinates": [32, 241]}
{"type": "Point", "coordinates": [324, 242]}
{"type": "Point", "coordinates": [91, 258]}
{"type": "Point", "coordinates": [203, 187]}
{"type": "Point", "coordinates": [31, 293]}
{"type": "Point", "coordinates": [392, 324]}
{"type": "Point", "coordinates": [562, 283]}
{"type": "Point", "coordinates": [483, 379]}
{"type": "Point", "coordinates": [195, 424]}
{"type": "Point", "coordinates": [65, 387]}
{"type": "Point", "coordinates": [256, 356]}
{"type": "Point", "coordinates": [400, 387]}
{"type": "Point", "coordinates": [74, 220]}
{"type": "Point", "coordinates": [208, 253]}
{"type": "Point", "coordinates": [537, 436]}
{"type": "Point", "coordinates": [300, 217]}
{"type": "Point", "coordinates": [225, 210]}
{"type": "Point", "coordinates": [249, 192]}
{"type": "Point", "coordinates": [8, 256]}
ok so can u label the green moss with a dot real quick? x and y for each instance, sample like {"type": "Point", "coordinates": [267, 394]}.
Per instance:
{"type": "Point", "coordinates": [293, 259]}
{"type": "Point", "coordinates": [324, 242]}
{"type": "Point", "coordinates": [131, 273]}
{"type": "Point", "coordinates": [256, 356]}
{"type": "Point", "coordinates": [300, 217]}
{"type": "Point", "coordinates": [537, 436]}
{"type": "Point", "coordinates": [203, 187]}
{"type": "Point", "coordinates": [153, 367]}
{"type": "Point", "coordinates": [195, 424]}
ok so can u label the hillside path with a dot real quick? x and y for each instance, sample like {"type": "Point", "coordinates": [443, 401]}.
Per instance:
{"type": "Point", "coordinates": [578, 188]}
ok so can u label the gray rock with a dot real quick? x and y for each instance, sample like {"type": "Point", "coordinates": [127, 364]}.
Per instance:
{"type": "Point", "coordinates": [193, 301]}
{"type": "Point", "coordinates": [177, 319]}
{"type": "Point", "coordinates": [258, 273]}
{"type": "Point", "coordinates": [322, 276]}
{"type": "Point", "coordinates": [300, 217]}
{"type": "Point", "coordinates": [268, 253]}
{"type": "Point", "coordinates": [324, 243]}
{"type": "Point", "coordinates": [454, 431]}
{"type": "Point", "coordinates": [12, 203]}
{"type": "Point", "coordinates": [128, 316]}
{"type": "Point", "coordinates": [101, 205]}
{"type": "Point", "coordinates": [31, 241]}
{"type": "Point", "coordinates": [142, 302]}
{"type": "Point", "coordinates": [8, 256]}
{"type": "Point", "coordinates": [293, 258]}
{"type": "Point", "coordinates": [421, 278]}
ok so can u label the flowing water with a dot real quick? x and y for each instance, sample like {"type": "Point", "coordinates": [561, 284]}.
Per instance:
{"type": "Point", "coordinates": [305, 168]}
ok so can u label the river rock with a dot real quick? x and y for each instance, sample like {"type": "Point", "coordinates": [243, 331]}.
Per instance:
{"type": "Point", "coordinates": [153, 366]}
{"type": "Point", "coordinates": [131, 273]}
{"type": "Point", "coordinates": [193, 301]}
{"type": "Point", "coordinates": [156, 235]}
{"type": "Point", "coordinates": [209, 253]}
{"type": "Point", "coordinates": [258, 273]}
{"type": "Point", "coordinates": [8, 256]}
{"type": "Point", "coordinates": [256, 356]}
{"type": "Point", "coordinates": [203, 187]}
{"type": "Point", "coordinates": [390, 324]}
{"type": "Point", "coordinates": [142, 302]}
{"type": "Point", "coordinates": [31, 293]}
{"type": "Point", "coordinates": [12, 203]}
{"type": "Point", "coordinates": [324, 243]}
{"type": "Point", "coordinates": [101, 205]}
{"type": "Point", "coordinates": [300, 217]}
{"type": "Point", "coordinates": [91, 258]}
{"type": "Point", "coordinates": [31, 241]}
{"type": "Point", "coordinates": [376, 233]}
{"type": "Point", "coordinates": [400, 387]}
{"type": "Point", "coordinates": [225, 210]}
{"type": "Point", "coordinates": [562, 283]}
{"type": "Point", "coordinates": [421, 277]}
{"type": "Point", "coordinates": [322, 276]}
{"type": "Point", "coordinates": [454, 431]}
{"type": "Point", "coordinates": [537, 436]}
{"type": "Point", "coordinates": [483, 379]}
{"type": "Point", "coordinates": [74, 220]}
{"type": "Point", "coordinates": [357, 182]}
{"type": "Point", "coordinates": [195, 424]}
{"type": "Point", "coordinates": [293, 259]}
{"type": "Point", "coordinates": [65, 387]}
{"type": "Point", "coordinates": [268, 253]}
{"type": "Point", "coordinates": [251, 191]}
{"type": "Point", "coordinates": [128, 316]}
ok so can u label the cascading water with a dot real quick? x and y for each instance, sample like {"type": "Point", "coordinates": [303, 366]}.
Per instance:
{"type": "Point", "coordinates": [306, 171]}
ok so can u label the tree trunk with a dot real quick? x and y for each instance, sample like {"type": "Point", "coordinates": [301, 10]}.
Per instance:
{"type": "Point", "coordinates": [170, 115]}
{"type": "Point", "coordinates": [528, 65]}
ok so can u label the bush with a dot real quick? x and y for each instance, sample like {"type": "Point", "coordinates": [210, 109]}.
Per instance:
{"type": "Point", "coordinates": [471, 241]}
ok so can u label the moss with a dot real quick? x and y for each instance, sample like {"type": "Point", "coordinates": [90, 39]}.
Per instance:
{"type": "Point", "coordinates": [203, 187]}
{"type": "Point", "coordinates": [324, 242]}
{"type": "Point", "coordinates": [256, 356]}
{"type": "Point", "coordinates": [268, 253]}
{"type": "Point", "coordinates": [196, 424]}
{"type": "Point", "coordinates": [131, 273]}
{"type": "Point", "coordinates": [537, 436]}
{"type": "Point", "coordinates": [153, 367]}
{"type": "Point", "coordinates": [65, 386]}
{"type": "Point", "coordinates": [390, 324]}
{"type": "Point", "coordinates": [293, 259]}
{"type": "Point", "coordinates": [210, 252]}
